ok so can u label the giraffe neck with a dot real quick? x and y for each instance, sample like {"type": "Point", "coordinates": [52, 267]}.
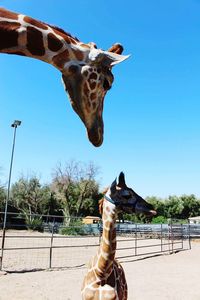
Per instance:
{"type": "Point", "coordinates": [23, 35]}
{"type": "Point", "coordinates": [107, 248]}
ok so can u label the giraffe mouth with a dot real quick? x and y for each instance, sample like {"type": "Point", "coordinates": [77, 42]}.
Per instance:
{"type": "Point", "coordinates": [145, 210]}
{"type": "Point", "coordinates": [95, 135]}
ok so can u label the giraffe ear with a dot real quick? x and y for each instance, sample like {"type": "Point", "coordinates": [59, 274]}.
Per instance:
{"type": "Point", "coordinates": [116, 48]}
{"type": "Point", "coordinates": [122, 182]}
{"type": "Point", "coordinates": [106, 58]}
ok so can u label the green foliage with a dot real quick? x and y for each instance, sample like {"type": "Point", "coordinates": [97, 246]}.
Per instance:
{"type": "Point", "coordinates": [191, 206]}
{"type": "Point", "coordinates": [74, 192]}
{"type": "Point", "coordinates": [75, 227]}
{"type": "Point", "coordinates": [174, 206]}
{"type": "Point", "coordinates": [28, 196]}
{"type": "Point", "coordinates": [159, 220]}
{"type": "Point", "coordinates": [2, 201]}
{"type": "Point", "coordinates": [2, 198]}
{"type": "Point", "coordinates": [135, 218]}
{"type": "Point", "coordinates": [34, 223]}
{"type": "Point", "coordinates": [158, 205]}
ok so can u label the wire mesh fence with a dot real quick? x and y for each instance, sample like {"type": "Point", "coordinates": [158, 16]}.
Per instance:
{"type": "Point", "coordinates": [56, 242]}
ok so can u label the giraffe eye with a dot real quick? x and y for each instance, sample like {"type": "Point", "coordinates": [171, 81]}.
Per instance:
{"type": "Point", "coordinates": [106, 85]}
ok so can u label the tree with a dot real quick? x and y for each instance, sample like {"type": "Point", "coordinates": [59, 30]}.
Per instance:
{"type": "Point", "coordinates": [191, 206]}
{"type": "Point", "coordinates": [2, 198]}
{"type": "Point", "coordinates": [75, 187]}
{"type": "Point", "coordinates": [29, 198]}
{"type": "Point", "coordinates": [2, 201]}
{"type": "Point", "coordinates": [174, 206]}
{"type": "Point", "coordinates": [158, 204]}
{"type": "Point", "coordinates": [2, 195]}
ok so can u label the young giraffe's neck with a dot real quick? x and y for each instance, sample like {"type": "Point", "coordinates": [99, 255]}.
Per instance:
{"type": "Point", "coordinates": [107, 249]}
{"type": "Point", "coordinates": [23, 35]}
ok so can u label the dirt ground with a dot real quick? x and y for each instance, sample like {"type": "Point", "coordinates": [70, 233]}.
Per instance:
{"type": "Point", "coordinates": [172, 277]}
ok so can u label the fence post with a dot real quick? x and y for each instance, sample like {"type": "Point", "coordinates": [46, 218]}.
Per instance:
{"type": "Point", "coordinates": [189, 237]}
{"type": "Point", "coordinates": [169, 236]}
{"type": "Point", "coordinates": [182, 236]}
{"type": "Point", "coordinates": [135, 239]}
{"type": "Point", "coordinates": [51, 245]}
{"type": "Point", "coordinates": [161, 237]}
{"type": "Point", "coordinates": [172, 236]}
{"type": "Point", "coordinates": [100, 231]}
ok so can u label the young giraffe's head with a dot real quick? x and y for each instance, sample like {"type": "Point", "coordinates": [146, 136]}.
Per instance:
{"type": "Point", "coordinates": [87, 82]}
{"type": "Point", "coordinates": [126, 200]}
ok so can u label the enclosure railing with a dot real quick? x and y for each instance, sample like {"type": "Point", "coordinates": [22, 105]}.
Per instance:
{"type": "Point", "coordinates": [45, 241]}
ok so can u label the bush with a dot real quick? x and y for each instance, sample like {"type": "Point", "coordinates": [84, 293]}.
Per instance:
{"type": "Point", "coordinates": [75, 227]}
{"type": "Point", "coordinates": [159, 220]}
{"type": "Point", "coordinates": [34, 223]}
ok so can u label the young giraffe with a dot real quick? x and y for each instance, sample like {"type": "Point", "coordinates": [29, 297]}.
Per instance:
{"type": "Point", "coordinates": [105, 278]}
{"type": "Point", "coordinates": [86, 70]}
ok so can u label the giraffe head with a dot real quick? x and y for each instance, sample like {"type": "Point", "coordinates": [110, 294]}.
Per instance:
{"type": "Point", "coordinates": [126, 200]}
{"type": "Point", "coordinates": [87, 82]}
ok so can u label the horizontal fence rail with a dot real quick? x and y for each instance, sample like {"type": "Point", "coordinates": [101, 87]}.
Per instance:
{"type": "Point", "coordinates": [46, 241]}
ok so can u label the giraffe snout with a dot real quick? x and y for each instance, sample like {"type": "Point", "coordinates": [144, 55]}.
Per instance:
{"type": "Point", "coordinates": [95, 135]}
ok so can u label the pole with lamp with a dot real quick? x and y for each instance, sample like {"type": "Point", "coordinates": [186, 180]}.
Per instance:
{"type": "Point", "coordinates": [15, 124]}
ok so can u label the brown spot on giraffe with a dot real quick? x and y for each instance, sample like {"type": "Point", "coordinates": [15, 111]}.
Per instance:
{"type": "Point", "coordinates": [92, 85]}
{"type": "Point", "coordinates": [93, 97]}
{"type": "Point", "coordinates": [54, 44]}
{"type": "Point", "coordinates": [78, 54]}
{"type": "Point", "coordinates": [106, 248]}
{"type": "Point", "coordinates": [9, 34]}
{"type": "Point", "coordinates": [93, 76]}
{"type": "Point", "coordinates": [60, 59]}
{"type": "Point", "coordinates": [69, 39]}
{"type": "Point", "coordinates": [109, 235]}
{"type": "Point", "coordinates": [35, 23]}
{"type": "Point", "coordinates": [8, 14]}
{"type": "Point", "coordinates": [35, 43]}
{"type": "Point", "coordinates": [85, 73]}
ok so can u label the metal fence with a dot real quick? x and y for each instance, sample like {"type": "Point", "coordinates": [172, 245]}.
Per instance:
{"type": "Point", "coordinates": [66, 243]}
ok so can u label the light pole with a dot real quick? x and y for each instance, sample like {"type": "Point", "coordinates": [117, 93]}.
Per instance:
{"type": "Point", "coordinates": [14, 125]}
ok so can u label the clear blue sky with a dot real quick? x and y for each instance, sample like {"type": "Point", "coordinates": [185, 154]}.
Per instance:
{"type": "Point", "coordinates": [151, 115]}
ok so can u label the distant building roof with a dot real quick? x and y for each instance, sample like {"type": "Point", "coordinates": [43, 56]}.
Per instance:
{"type": "Point", "coordinates": [194, 218]}
{"type": "Point", "coordinates": [92, 217]}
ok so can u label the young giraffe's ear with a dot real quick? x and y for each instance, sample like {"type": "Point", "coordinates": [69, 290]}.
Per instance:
{"type": "Point", "coordinates": [122, 182]}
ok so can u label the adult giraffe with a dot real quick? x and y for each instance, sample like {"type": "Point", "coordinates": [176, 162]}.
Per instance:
{"type": "Point", "coordinates": [105, 278]}
{"type": "Point", "coordinates": [86, 70]}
